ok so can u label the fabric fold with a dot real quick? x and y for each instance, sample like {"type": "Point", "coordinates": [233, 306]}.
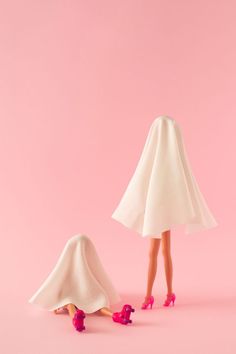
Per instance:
{"type": "Point", "coordinates": [78, 278]}
{"type": "Point", "coordinates": [163, 192]}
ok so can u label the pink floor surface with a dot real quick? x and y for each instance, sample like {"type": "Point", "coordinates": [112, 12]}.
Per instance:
{"type": "Point", "coordinates": [201, 322]}
{"type": "Point", "coordinates": [193, 326]}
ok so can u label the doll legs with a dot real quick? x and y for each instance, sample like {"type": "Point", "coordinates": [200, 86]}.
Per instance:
{"type": "Point", "coordinates": [77, 315]}
{"type": "Point", "coordinates": [122, 317]}
{"type": "Point", "coordinates": [106, 311]}
{"type": "Point", "coordinates": [152, 267]}
{"type": "Point", "coordinates": [167, 260]}
{"type": "Point", "coordinates": [72, 309]}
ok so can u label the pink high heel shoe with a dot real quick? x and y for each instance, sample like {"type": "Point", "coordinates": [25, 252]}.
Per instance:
{"type": "Point", "coordinates": [123, 316]}
{"type": "Point", "coordinates": [148, 303]}
{"type": "Point", "coordinates": [170, 298]}
{"type": "Point", "coordinates": [78, 320]}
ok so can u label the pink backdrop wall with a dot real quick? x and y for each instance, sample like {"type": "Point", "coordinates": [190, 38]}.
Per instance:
{"type": "Point", "coordinates": [81, 82]}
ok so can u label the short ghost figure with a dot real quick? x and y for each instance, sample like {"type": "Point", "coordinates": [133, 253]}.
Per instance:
{"type": "Point", "coordinates": [79, 284]}
{"type": "Point", "coordinates": [163, 193]}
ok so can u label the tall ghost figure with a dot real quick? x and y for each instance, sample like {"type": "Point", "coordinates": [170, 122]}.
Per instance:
{"type": "Point", "coordinates": [163, 191]}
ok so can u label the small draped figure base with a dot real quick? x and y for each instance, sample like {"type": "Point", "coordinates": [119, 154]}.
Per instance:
{"type": "Point", "coordinates": [78, 278]}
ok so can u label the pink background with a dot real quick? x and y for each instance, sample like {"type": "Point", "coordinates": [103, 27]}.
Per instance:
{"type": "Point", "coordinates": [81, 82]}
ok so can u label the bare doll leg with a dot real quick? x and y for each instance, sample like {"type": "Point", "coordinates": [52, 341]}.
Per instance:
{"type": "Point", "coordinates": [60, 310]}
{"type": "Point", "coordinates": [152, 267]}
{"type": "Point", "coordinates": [122, 316]}
{"type": "Point", "coordinates": [71, 309]}
{"type": "Point", "coordinates": [106, 311]}
{"type": "Point", "coordinates": [166, 250]}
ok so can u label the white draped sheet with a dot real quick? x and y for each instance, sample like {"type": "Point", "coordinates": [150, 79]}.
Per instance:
{"type": "Point", "coordinates": [163, 191]}
{"type": "Point", "coordinates": [78, 278]}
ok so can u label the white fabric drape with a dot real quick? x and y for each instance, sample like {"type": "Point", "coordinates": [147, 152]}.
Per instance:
{"type": "Point", "coordinates": [163, 191]}
{"type": "Point", "coordinates": [78, 278]}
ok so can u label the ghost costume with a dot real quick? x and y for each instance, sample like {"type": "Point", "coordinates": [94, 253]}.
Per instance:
{"type": "Point", "coordinates": [163, 192]}
{"type": "Point", "coordinates": [78, 278]}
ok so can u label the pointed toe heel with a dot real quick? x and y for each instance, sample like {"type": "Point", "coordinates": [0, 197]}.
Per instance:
{"type": "Point", "coordinates": [123, 317]}
{"type": "Point", "coordinates": [148, 303]}
{"type": "Point", "coordinates": [170, 300]}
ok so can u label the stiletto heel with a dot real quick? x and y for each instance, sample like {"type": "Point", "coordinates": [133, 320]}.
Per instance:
{"type": "Point", "coordinates": [78, 320]}
{"type": "Point", "coordinates": [149, 303]}
{"type": "Point", "coordinates": [170, 299]}
{"type": "Point", "coordinates": [123, 316]}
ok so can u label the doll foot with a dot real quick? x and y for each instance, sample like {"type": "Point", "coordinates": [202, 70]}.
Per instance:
{"type": "Point", "coordinates": [60, 310]}
{"type": "Point", "coordinates": [170, 299]}
{"type": "Point", "coordinates": [78, 320]}
{"type": "Point", "coordinates": [148, 303]}
{"type": "Point", "coordinates": [123, 317]}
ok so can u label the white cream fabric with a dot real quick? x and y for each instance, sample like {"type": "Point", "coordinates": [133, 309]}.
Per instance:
{"type": "Point", "coordinates": [78, 278]}
{"type": "Point", "coordinates": [163, 191]}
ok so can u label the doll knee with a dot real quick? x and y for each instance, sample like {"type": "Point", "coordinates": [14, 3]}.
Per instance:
{"type": "Point", "coordinates": [152, 253]}
{"type": "Point", "coordinates": [166, 253]}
